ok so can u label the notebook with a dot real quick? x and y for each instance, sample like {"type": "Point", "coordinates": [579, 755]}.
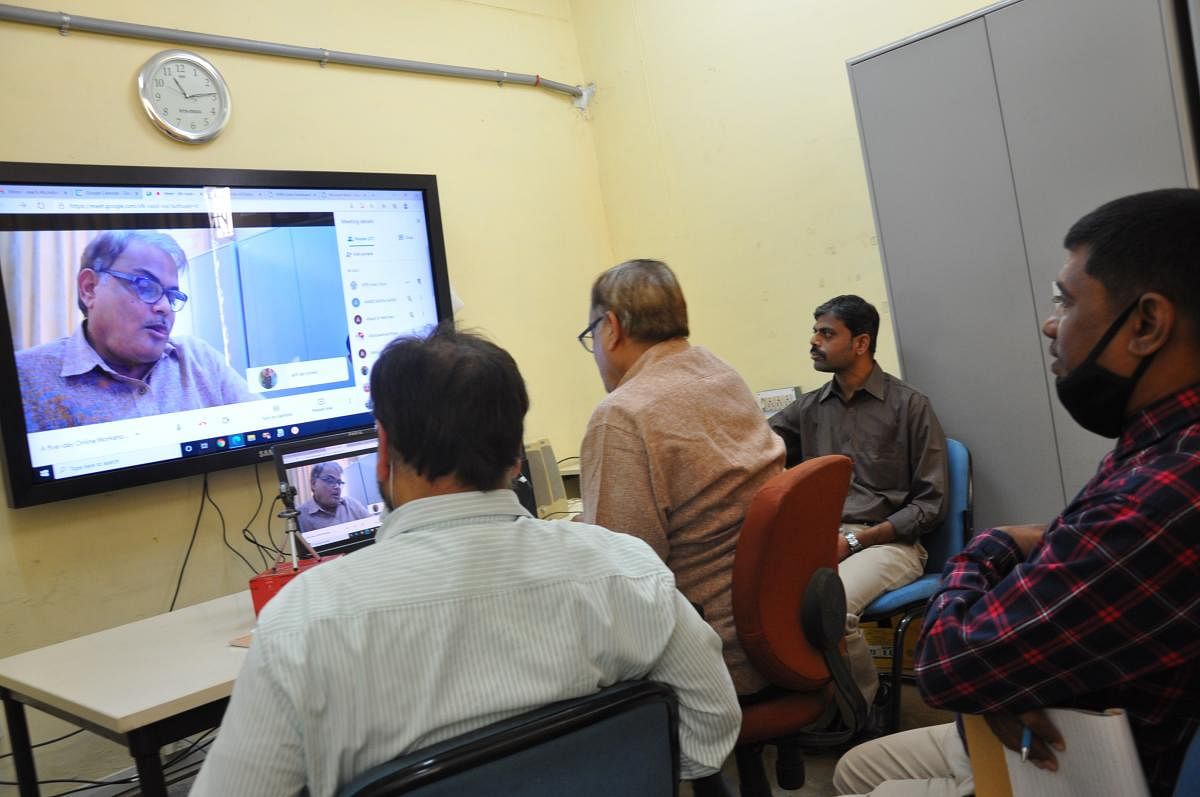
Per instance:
{"type": "Point", "coordinates": [1101, 759]}
{"type": "Point", "coordinates": [335, 487]}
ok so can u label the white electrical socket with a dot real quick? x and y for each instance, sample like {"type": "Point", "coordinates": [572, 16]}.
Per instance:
{"type": "Point", "coordinates": [772, 401]}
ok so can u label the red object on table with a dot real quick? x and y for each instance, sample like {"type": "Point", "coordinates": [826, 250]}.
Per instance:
{"type": "Point", "coordinates": [267, 584]}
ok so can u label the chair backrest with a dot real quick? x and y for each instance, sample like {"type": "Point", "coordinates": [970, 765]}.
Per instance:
{"type": "Point", "coordinates": [1188, 782]}
{"type": "Point", "coordinates": [956, 528]}
{"type": "Point", "coordinates": [621, 740]}
{"type": "Point", "coordinates": [790, 531]}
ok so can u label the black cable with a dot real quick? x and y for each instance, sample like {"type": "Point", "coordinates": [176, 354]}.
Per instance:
{"type": "Point", "coordinates": [179, 776]}
{"type": "Point", "coordinates": [565, 459]}
{"type": "Point", "coordinates": [201, 742]}
{"type": "Point", "coordinates": [182, 773]}
{"type": "Point", "coordinates": [247, 534]}
{"type": "Point", "coordinates": [270, 536]}
{"type": "Point", "coordinates": [249, 537]}
{"type": "Point", "coordinates": [48, 741]}
{"type": "Point", "coordinates": [224, 531]}
{"type": "Point", "coordinates": [94, 784]}
{"type": "Point", "coordinates": [257, 484]}
{"type": "Point", "coordinates": [180, 756]}
{"type": "Point", "coordinates": [270, 553]}
{"type": "Point", "coordinates": [191, 542]}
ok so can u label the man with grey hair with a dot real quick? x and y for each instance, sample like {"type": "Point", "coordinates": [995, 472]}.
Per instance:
{"type": "Point", "coordinates": [679, 446]}
{"type": "Point", "coordinates": [122, 361]}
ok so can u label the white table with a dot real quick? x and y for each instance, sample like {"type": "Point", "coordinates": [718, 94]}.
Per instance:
{"type": "Point", "coordinates": [144, 684]}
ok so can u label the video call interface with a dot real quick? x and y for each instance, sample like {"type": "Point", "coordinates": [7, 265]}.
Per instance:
{"type": "Point", "coordinates": [296, 290]}
{"type": "Point", "coordinates": [336, 492]}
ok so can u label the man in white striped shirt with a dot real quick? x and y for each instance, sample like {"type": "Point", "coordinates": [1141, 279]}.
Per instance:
{"type": "Point", "coordinates": [465, 611]}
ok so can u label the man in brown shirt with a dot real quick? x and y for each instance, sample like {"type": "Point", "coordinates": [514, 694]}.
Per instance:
{"type": "Point", "coordinates": [899, 450]}
{"type": "Point", "coordinates": [679, 446]}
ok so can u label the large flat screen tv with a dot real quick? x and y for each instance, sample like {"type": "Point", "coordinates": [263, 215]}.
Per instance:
{"type": "Point", "coordinates": [162, 322]}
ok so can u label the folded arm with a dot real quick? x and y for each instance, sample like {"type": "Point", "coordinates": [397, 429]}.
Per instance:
{"type": "Point", "coordinates": [1104, 599]}
{"type": "Point", "coordinates": [929, 472]}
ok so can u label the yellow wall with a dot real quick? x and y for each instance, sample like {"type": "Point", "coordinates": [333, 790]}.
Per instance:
{"type": "Point", "coordinates": [728, 147]}
{"type": "Point", "coordinates": [722, 139]}
{"type": "Point", "coordinates": [524, 225]}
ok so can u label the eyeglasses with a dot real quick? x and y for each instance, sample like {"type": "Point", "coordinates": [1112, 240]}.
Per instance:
{"type": "Point", "coordinates": [1056, 298]}
{"type": "Point", "coordinates": [586, 338]}
{"type": "Point", "coordinates": [150, 290]}
{"type": "Point", "coordinates": [332, 481]}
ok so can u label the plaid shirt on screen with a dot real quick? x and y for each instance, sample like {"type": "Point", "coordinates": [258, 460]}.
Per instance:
{"type": "Point", "coordinates": [1105, 612]}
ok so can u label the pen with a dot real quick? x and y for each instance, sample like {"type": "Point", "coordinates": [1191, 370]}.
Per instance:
{"type": "Point", "coordinates": [1026, 742]}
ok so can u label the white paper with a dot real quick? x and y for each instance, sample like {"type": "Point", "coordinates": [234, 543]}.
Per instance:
{"type": "Point", "coordinates": [1101, 759]}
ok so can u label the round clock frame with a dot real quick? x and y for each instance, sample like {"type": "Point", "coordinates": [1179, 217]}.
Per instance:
{"type": "Point", "coordinates": [184, 96]}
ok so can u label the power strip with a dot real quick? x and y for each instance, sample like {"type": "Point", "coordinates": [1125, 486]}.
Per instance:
{"type": "Point", "coordinates": [772, 401]}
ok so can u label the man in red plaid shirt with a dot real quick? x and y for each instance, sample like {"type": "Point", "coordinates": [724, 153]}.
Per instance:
{"type": "Point", "coordinates": [1101, 608]}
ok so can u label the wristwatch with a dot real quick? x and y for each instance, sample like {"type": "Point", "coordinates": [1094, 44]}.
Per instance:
{"type": "Point", "coordinates": [852, 541]}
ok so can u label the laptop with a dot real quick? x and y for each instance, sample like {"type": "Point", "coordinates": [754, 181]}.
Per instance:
{"type": "Point", "coordinates": [335, 488]}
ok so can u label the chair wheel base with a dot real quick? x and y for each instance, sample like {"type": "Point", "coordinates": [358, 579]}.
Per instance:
{"type": "Point", "coordinates": [789, 767]}
{"type": "Point", "coordinates": [752, 776]}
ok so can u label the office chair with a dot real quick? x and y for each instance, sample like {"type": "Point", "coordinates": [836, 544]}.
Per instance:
{"type": "Point", "coordinates": [942, 543]}
{"type": "Point", "coordinates": [789, 608]}
{"type": "Point", "coordinates": [1188, 782]}
{"type": "Point", "coordinates": [621, 740]}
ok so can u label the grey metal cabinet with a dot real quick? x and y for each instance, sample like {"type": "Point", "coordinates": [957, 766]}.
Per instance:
{"type": "Point", "coordinates": [983, 141]}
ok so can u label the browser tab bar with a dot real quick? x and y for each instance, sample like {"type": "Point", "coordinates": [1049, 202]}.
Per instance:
{"type": "Point", "coordinates": [103, 192]}
{"type": "Point", "coordinates": [32, 191]}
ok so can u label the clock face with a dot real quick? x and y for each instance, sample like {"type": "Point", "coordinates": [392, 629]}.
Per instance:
{"type": "Point", "coordinates": [184, 95]}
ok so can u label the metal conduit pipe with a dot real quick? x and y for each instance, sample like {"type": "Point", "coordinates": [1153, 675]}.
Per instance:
{"type": "Point", "coordinates": [65, 23]}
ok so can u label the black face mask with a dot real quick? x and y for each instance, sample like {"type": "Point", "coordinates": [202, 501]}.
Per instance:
{"type": "Point", "coordinates": [1096, 397]}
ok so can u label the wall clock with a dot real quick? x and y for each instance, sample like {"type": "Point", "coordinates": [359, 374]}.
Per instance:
{"type": "Point", "coordinates": [185, 96]}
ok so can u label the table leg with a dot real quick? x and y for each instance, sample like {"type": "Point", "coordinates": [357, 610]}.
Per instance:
{"type": "Point", "coordinates": [22, 749]}
{"type": "Point", "coordinates": [145, 752]}
{"type": "Point", "coordinates": [150, 775]}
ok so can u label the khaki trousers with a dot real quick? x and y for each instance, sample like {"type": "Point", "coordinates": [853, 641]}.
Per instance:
{"type": "Point", "coordinates": [923, 762]}
{"type": "Point", "coordinates": [866, 575]}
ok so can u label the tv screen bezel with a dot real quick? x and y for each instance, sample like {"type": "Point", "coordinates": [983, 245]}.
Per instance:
{"type": "Point", "coordinates": [23, 490]}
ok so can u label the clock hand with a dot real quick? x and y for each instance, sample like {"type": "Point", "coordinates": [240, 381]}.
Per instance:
{"type": "Point", "coordinates": [205, 94]}
{"type": "Point", "coordinates": [182, 90]}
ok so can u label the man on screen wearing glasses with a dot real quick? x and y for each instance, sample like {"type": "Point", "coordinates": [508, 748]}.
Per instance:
{"type": "Point", "coordinates": [328, 506]}
{"type": "Point", "coordinates": [122, 361]}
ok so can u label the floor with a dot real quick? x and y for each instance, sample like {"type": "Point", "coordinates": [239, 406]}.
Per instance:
{"type": "Point", "coordinates": [818, 769]}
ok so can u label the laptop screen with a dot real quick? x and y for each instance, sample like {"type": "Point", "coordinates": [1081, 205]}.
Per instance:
{"type": "Point", "coordinates": [336, 492]}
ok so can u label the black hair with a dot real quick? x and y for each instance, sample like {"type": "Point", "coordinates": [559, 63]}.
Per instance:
{"type": "Point", "coordinates": [859, 315]}
{"type": "Point", "coordinates": [1145, 242]}
{"type": "Point", "coordinates": [451, 403]}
